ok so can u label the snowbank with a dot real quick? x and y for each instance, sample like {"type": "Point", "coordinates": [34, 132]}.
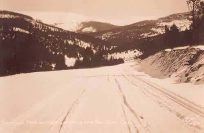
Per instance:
{"type": "Point", "coordinates": [183, 64]}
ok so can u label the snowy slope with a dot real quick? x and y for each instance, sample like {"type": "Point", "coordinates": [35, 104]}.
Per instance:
{"type": "Point", "coordinates": [126, 56]}
{"type": "Point", "coordinates": [65, 20]}
{"type": "Point", "coordinates": [95, 26]}
{"type": "Point", "coordinates": [144, 29]}
{"type": "Point", "coordinates": [70, 21]}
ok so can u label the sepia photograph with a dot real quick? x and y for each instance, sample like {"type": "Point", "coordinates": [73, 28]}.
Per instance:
{"type": "Point", "coordinates": [102, 66]}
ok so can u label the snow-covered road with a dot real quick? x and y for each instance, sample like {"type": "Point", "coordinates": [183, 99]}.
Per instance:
{"type": "Point", "coordinates": [116, 99]}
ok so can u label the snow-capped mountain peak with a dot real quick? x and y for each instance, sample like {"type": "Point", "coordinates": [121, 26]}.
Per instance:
{"type": "Point", "coordinates": [65, 20]}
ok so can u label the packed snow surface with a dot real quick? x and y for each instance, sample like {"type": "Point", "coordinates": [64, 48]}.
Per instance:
{"type": "Point", "coordinates": [103, 100]}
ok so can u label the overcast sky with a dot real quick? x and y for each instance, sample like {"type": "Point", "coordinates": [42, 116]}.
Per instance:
{"type": "Point", "coordinates": [107, 9]}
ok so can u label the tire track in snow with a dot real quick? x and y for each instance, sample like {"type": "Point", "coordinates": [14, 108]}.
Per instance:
{"type": "Point", "coordinates": [162, 103]}
{"type": "Point", "coordinates": [187, 103]}
{"type": "Point", "coordinates": [138, 117]}
{"type": "Point", "coordinates": [126, 103]}
{"type": "Point", "coordinates": [76, 102]}
{"type": "Point", "coordinates": [136, 129]}
{"type": "Point", "coordinates": [178, 99]}
{"type": "Point", "coordinates": [173, 98]}
{"type": "Point", "coordinates": [67, 114]}
{"type": "Point", "coordinates": [126, 119]}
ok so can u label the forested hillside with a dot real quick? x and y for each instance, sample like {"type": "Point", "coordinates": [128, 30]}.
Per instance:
{"type": "Point", "coordinates": [30, 45]}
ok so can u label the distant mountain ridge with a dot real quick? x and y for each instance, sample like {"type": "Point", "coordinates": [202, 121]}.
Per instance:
{"type": "Point", "coordinates": [143, 29]}
{"type": "Point", "coordinates": [146, 36]}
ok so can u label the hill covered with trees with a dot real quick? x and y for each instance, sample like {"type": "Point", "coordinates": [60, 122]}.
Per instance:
{"type": "Point", "coordinates": [28, 45]}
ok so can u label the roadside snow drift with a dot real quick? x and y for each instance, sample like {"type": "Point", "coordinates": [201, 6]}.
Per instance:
{"type": "Point", "coordinates": [184, 63]}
